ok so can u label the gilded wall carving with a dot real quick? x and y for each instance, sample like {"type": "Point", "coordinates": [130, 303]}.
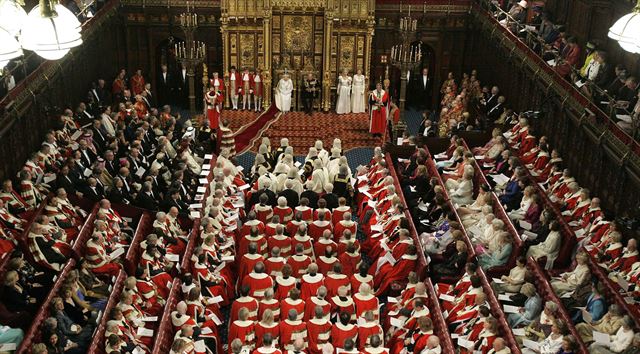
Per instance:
{"type": "Point", "coordinates": [346, 52]}
{"type": "Point", "coordinates": [247, 54]}
{"type": "Point", "coordinates": [298, 33]}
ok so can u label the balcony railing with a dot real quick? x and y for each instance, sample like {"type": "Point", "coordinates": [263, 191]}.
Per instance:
{"type": "Point", "coordinates": [525, 37]}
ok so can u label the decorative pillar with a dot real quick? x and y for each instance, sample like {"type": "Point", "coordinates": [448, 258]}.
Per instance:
{"type": "Point", "coordinates": [226, 57]}
{"type": "Point", "coordinates": [266, 73]}
{"type": "Point", "coordinates": [367, 50]}
{"type": "Point", "coordinates": [402, 124]}
{"type": "Point", "coordinates": [326, 61]}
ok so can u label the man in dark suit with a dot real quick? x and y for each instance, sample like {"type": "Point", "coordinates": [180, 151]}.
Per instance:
{"type": "Point", "coordinates": [312, 197]}
{"type": "Point", "coordinates": [99, 135]}
{"type": "Point", "coordinates": [330, 198]}
{"type": "Point", "coordinates": [255, 197]}
{"type": "Point", "coordinates": [64, 180]}
{"type": "Point", "coordinates": [165, 85]}
{"type": "Point", "coordinates": [290, 195]}
{"type": "Point", "coordinates": [146, 198]}
{"type": "Point", "coordinates": [111, 164]}
{"type": "Point", "coordinates": [496, 111]}
{"type": "Point", "coordinates": [149, 97]}
{"type": "Point", "coordinates": [92, 191]}
{"type": "Point", "coordinates": [490, 99]}
{"type": "Point", "coordinates": [86, 156]}
{"type": "Point", "coordinates": [173, 200]}
{"type": "Point", "coordinates": [182, 87]}
{"type": "Point", "coordinates": [422, 86]}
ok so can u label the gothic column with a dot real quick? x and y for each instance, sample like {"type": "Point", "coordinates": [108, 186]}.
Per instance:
{"type": "Point", "coordinates": [326, 61]}
{"type": "Point", "coordinates": [266, 35]}
{"type": "Point", "coordinates": [226, 56]}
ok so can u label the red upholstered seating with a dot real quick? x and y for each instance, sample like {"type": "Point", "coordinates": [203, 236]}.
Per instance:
{"type": "Point", "coordinates": [85, 231]}
{"type": "Point", "coordinates": [97, 344]}
{"type": "Point", "coordinates": [145, 226]}
{"type": "Point", "coordinates": [546, 292]}
{"type": "Point", "coordinates": [32, 335]}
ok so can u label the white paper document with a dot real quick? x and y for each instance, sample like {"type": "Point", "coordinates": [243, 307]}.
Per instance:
{"type": "Point", "coordinates": [172, 257]}
{"type": "Point", "coordinates": [446, 297]}
{"type": "Point", "coordinates": [145, 332]}
{"type": "Point", "coordinates": [396, 322]}
{"type": "Point", "coordinates": [525, 225]}
{"type": "Point", "coordinates": [531, 344]}
{"type": "Point", "coordinates": [601, 338]}
{"type": "Point", "coordinates": [511, 309]}
{"type": "Point", "coordinates": [117, 253]}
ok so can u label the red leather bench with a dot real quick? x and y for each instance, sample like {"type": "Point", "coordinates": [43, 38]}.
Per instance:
{"type": "Point", "coordinates": [144, 228]}
{"type": "Point", "coordinates": [496, 310]}
{"type": "Point", "coordinates": [612, 291]}
{"type": "Point", "coordinates": [85, 233]}
{"type": "Point", "coordinates": [500, 213]}
{"type": "Point", "coordinates": [98, 343]}
{"type": "Point", "coordinates": [33, 334]}
{"type": "Point", "coordinates": [164, 333]}
{"type": "Point", "coordinates": [546, 292]}
{"type": "Point", "coordinates": [439, 325]}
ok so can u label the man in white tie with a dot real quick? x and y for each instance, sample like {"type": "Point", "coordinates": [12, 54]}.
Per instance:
{"type": "Point", "coordinates": [423, 92]}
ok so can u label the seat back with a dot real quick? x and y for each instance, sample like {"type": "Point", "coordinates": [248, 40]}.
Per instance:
{"type": "Point", "coordinates": [98, 342]}
{"type": "Point", "coordinates": [145, 226]}
{"type": "Point", "coordinates": [32, 335]}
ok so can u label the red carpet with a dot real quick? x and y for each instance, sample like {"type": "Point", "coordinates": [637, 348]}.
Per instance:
{"type": "Point", "coordinates": [303, 130]}
{"type": "Point", "coordinates": [247, 134]}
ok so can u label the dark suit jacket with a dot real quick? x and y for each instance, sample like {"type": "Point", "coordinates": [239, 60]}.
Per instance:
{"type": "Point", "coordinates": [332, 200]}
{"type": "Point", "coordinates": [119, 196]}
{"type": "Point", "coordinates": [69, 185]}
{"type": "Point", "coordinates": [94, 195]}
{"type": "Point", "coordinates": [146, 201]}
{"type": "Point", "coordinates": [312, 196]}
{"type": "Point", "coordinates": [292, 197]}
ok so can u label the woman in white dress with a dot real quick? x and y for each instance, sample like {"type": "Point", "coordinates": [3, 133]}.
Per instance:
{"type": "Point", "coordinates": [357, 93]}
{"type": "Point", "coordinates": [283, 96]}
{"type": "Point", "coordinates": [344, 93]}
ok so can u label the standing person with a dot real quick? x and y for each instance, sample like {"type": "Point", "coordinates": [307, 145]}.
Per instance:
{"type": "Point", "coordinates": [358, 92]}
{"type": "Point", "coordinates": [309, 93]}
{"type": "Point", "coordinates": [217, 83]}
{"type": "Point", "coordinates": [423, 90]}
{"type": "Point", "coordinates": [245, 90]}
{"type": "Point", "coordinates": [283, 94]}
{"type": "Point", "coordinates": [386, 86]}
{"type": "Point", "coordinates": [137, 83]}
{"type": "Point", "coordinates": [119, 85]}
{"type": "Point", "coordinates": [227, 141]}
{"type": "Point", "coordinates": [256, 86]}
{"type": "Point", "coordinates": [182, 86]}
{"type": "Point", "coordinates": [234, 87]}
{"type": "Point", "coordinates": [165, 85]}
{"type": "Point", "coordinates": [378, 114]}
{"type": "Point", "coordinates": [343, 105]}
{"type": "Point", "coordinates": [213, 99]}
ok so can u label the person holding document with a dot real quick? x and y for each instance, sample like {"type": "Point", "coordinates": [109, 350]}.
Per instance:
{"type": "Point", "coordinates": [617, 343]}
{"type": "Point", "coordinates": [550, 345]}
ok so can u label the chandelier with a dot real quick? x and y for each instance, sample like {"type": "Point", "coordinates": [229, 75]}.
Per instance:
{"type": "Point", "coordinates": [406, 56]}
{"type": "Point", "coordinates": [190, 52]}
{"type": "Point", "coordinates": [50, 30]}
{"type": "Point", "coordinates": [627, 30]}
